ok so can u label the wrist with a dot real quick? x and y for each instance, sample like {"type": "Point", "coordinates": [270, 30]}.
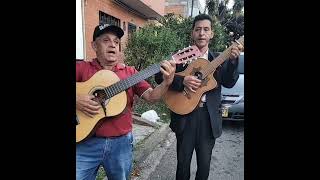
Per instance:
{"type": "Point", "coordinates": [165, 84]}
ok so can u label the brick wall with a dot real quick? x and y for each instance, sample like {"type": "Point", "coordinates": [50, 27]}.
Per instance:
{"type": "Point", "coordinates": [91, 13]}
{"type": "Point", "coordinates": [158, 5]}
{"type": "Point", "coordinates": [176, 9]}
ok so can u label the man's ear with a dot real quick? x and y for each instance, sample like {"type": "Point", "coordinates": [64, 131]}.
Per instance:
{"type": "Point", "coordinates": [191, 37]}
{"type": "Point", "coordinates": [212, 34]}
{"type": "Point", "coordinates": [94, 45]}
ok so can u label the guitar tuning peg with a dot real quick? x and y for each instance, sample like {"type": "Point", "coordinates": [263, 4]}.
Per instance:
{"type": "Point", "coordinates": [184, 64]}
{"type": "Point", "coordinates": [189, 61]}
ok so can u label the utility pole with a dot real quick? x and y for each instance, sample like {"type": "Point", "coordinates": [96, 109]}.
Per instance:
{"type": "Point", "coordinates": [191, 7]}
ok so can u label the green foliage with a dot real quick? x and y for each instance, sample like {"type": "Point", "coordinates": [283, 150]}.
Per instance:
{"type": "Point", "coordinates": [181, 26]}
{"type": "Point", "coordinates": [232, 20]}
{"type": "Point", "coordinates": [140, 106]}
{"type": "Point", "coordinates": [153, 43]}
{"type": "Point", "coordinates": [150, 45]}
{"type": "Point", "coordinates": [101, 173]}
{"type": "Point", "coordinates": [238, 5]}
{"type": "Point", "coordinates": [220, 39]}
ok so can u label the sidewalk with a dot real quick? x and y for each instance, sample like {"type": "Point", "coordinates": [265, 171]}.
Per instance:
{"type": "Point", "coordinates": [147, 138]}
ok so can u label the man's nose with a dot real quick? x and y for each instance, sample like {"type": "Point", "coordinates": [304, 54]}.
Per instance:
{"type": "Point", "coordinates": [112, 44]}
{"type": "Point", "coordinates": [201, 31]}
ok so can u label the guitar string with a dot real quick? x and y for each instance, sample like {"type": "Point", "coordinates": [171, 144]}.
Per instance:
{"type": "Point", "coordinates": [119, 86]}
{"type": "Point", "coordinates": [113, 89]}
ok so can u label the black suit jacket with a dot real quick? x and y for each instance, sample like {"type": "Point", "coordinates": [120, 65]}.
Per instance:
{"type": "Point", "coordinates": [225, 75]}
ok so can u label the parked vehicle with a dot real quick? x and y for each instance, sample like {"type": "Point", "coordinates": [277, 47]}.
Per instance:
{"type": "Point", "coordinates": [232, 99]}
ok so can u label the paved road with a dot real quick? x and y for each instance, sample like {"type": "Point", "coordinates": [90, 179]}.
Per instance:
{"type": "Point", "coordinates": [227, 158]}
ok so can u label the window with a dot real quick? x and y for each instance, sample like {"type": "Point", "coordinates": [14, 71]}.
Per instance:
{"type": "Point", "coordinates": [131, 28]}
{"type": "Point", "coordinates": [79, 32]}
{"type": "Point", "coordinates": [124, 26]}
{"type": "Point", "coordinates": [107, 19]}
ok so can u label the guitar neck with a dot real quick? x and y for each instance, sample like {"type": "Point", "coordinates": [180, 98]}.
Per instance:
{"type": "Point", "coordinates": [220, 59]}
{"type": "Point", "coordinates": [181, 56]}
{"type": "Point", "coordinates": [217, 62]}
{"type": "Point", "coordinates": [122, 85]}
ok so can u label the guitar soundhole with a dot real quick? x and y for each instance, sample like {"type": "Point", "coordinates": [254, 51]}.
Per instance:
{"type": "Point", "coordinates": [101, 98]}
{"type": "Point", "coordinates": [198, 75]}
{"type": "Point", "coordinates": [99, 95]}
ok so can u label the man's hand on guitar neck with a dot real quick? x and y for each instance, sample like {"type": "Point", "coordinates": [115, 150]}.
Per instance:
{"type": "Point", "coordinates": [168, 69]}
{"type": "Point", "coordinates": [192, 83]}
{"type": "Point", "coordinates": [235, 52]}
{"type": "Point", "coordinates": [86, 105]}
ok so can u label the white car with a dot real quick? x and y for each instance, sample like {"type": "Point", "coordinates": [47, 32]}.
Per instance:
{"type": "Point", "coordinates": [232, 99]}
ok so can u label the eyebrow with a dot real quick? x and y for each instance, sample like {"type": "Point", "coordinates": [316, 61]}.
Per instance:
{"type": "Point", "coordinates": [196, 28]}
{"type": "Point", "coordinates": [202, 27]}
{"type": "Point", "coordinates": [115, 39]}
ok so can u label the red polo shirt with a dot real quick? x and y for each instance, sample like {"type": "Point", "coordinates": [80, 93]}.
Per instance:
{"type": "Point", "coordinates": [121, 124]}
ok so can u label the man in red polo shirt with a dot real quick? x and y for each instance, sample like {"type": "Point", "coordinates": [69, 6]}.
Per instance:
{"type": "Point", "coordinates": [112, 144]}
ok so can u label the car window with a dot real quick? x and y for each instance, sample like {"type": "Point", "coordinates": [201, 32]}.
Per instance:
{"type": "Point", "coordinates": [241, 64]}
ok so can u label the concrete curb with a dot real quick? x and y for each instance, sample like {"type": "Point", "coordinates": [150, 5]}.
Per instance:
{"type": "Point", "coordinates": [143, 149]}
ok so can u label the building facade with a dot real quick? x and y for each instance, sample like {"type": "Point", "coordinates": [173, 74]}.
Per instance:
{"type": "Point", "coordinates": [130, 15]}
{"type": "Point", "coordinates": [185, 8]}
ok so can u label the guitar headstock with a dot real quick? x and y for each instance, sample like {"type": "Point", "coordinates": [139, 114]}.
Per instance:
{"type": "Point", "coordinates": [186, 55]}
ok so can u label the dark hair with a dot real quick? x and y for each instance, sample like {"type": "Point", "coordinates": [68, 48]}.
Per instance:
{"type": "Point", "coordinates": [201, 17]}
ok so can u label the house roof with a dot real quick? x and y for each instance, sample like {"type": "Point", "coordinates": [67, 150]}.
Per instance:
{"type": "Point", "coordinates": [139, 8]}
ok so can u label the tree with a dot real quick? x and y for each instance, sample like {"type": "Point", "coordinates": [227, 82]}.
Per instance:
{"type": "Point", "coordinates": [238, 6]}
{"type": "Point", "coordinates": [180, 25]}
{"type": "Point", "coordinates": [150, 45]}
{"type": "Point", "coordinates": [220, 40]}
{"type": "Point", "coordinates": [153, 43]}
{"type": "Point", "coordinates": [232, 20]}
{"type": "Point", "coordinates": [183, 28]}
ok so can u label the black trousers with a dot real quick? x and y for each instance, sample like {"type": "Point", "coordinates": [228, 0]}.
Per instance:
{"type": "Point", "coordinates": [197, 134]}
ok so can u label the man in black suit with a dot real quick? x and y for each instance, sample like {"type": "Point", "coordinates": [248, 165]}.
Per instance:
{"type": "Point", "coordinates": [199, 129]}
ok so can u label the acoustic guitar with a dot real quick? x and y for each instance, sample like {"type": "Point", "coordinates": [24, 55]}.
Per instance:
{"type": "Point", "coordinates": [109, 92]}
{"type": "Point", "coordinates": [186, 101]}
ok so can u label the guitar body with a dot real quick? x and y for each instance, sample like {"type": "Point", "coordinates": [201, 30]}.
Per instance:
{"type": "Point", "coordinates": [186, 101]}
{"type": "Point", "coordinates": [114, 105]}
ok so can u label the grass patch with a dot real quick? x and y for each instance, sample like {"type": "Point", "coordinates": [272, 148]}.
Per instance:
{"type": "Point", "coordinates": [101, 173]}
{"type": "Point", "coordinates": [140, 106]}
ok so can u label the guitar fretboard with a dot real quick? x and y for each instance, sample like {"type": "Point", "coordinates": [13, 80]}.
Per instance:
{"type": "Point", "coordinates": [124, 84]}
{"type": "Point", "coordinates": [220, 59]}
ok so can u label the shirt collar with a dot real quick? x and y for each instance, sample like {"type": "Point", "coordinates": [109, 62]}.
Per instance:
{"type": "Point", "coordinates": [205, 55]}
{"type": "Point", "coordinates": [117, 67]}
